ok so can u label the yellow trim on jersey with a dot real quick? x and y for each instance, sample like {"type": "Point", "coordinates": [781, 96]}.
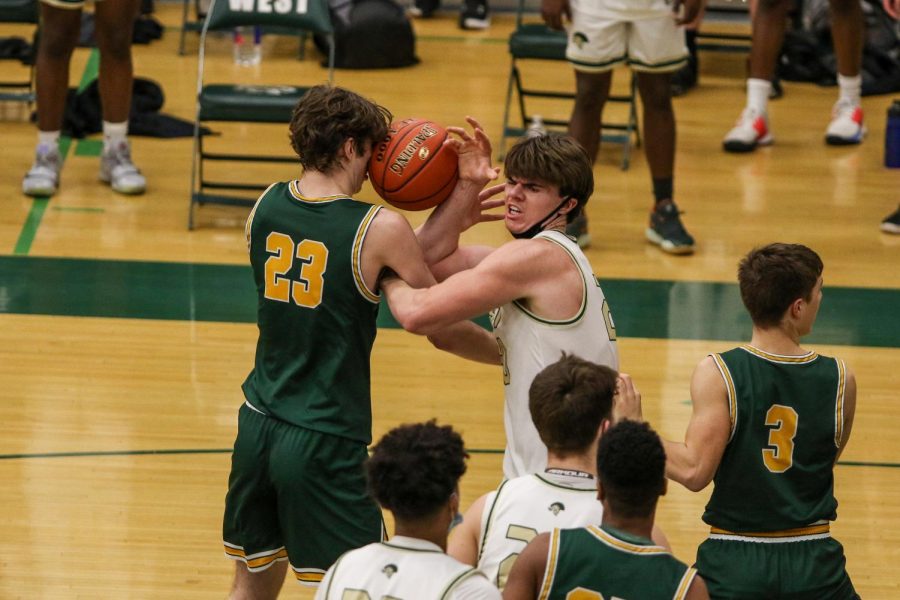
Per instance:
{"type": "Point", "coordinates": [815, 529]}
{"type": "Point", "coordinates": [256, 562]}
{"type": "Point", "coordinates": [685, 584]}
{"type": "Point", "coordinates": [356, 256]}
{"type": "Point", "coordinates": [839, 402]}
{"type": "Point", "coordinates": [781, 358]}
{"type": "Point", "coordinates": [309, 576]}
{"type": "Point", "coordinates": [294, 188]}
{"type": "Point", "coordinates": [248, 226]}
{"type": "Point", "coordinates": [550, 570]}
{"type": "Point", "coordinates": [732, 393]}
{"type": "Point", "coordinates": [613, 541]}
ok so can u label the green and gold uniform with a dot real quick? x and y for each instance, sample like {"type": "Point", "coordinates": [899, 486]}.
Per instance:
{"type": "Point", "coordinates": [297, 487]}
{"type": "Point", "coordinates": [774, 488]}
{"type": "Point", "coordinates": [597, 563]}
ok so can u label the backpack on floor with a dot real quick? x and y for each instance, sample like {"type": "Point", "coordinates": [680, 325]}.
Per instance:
{"type": "Point", "coordinates": [370, 34]}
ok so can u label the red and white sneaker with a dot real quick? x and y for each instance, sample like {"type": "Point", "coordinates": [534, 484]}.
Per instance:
{"type": "Point", "coordinates": [846, 127]}
{"type": "Point", "coordinates": [750, 131]}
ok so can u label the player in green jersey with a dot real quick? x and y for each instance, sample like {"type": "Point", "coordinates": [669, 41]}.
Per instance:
{"type": "Point", "coordinates": [297, 489]}
{"type": "Point", "coordinates": [616, 559]}
{"type": "Point", "coordinates": [770, 419]}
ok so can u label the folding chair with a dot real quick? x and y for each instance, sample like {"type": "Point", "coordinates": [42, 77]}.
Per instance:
{"type": "Point", "coordinates": [248, 104]}
{"type": "Point", "coordinates": [533, 41]}
{"type": "Point", "coordinates": [19, 11]}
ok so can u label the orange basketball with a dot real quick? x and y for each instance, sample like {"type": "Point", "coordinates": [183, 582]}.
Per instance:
{"type": "Point", "coordinates": [411, 168]}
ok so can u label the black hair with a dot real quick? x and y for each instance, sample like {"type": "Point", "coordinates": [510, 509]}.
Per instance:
{"type": "Point", "coordinates": [415, 468]}
{"type": "Point", "coordinates": [631, 465]}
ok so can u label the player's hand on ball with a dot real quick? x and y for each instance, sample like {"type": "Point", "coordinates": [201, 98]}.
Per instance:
{"type": "Point", "coordinates": [474, 151]}
{"type": "Point", "coordinates": [627, 401]}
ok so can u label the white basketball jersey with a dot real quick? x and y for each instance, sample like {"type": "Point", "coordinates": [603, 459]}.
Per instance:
{"type": "Point", "coordinates": [529, 343]}
{"type": "Point", "coordinates": [404, 569]}
{"type": "Point", "coordinates": [522, 508]}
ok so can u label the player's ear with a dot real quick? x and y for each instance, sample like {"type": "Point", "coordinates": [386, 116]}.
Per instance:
{"type": "Point", "coordinates": [348, 148]}
{"type": "Point", "coordinates": [601, 493]}
{"type": "Point", "coordinates": [569, 206]}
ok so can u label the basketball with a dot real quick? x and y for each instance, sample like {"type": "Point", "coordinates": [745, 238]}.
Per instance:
{"type": "Point", "coordinates": [411, 168]}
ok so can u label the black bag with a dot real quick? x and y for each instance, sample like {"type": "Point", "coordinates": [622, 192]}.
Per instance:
{"type": "Point", "coordinates": [370, 34]}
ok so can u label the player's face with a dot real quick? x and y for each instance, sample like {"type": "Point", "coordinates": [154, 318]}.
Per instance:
{"type": "Point", "coordinates": [528, 201]}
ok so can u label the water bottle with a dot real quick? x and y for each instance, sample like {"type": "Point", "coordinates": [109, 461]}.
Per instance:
{"type": "Point", "coordinates": [892, 137]}
{"type": "Point", "coordinates": [247, 50]}
{"type": "Point", "coordinates": [536, 127]}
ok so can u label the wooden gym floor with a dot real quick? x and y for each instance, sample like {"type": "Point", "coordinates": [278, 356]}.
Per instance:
{"type": "Point", "coordinates": [124, 337]}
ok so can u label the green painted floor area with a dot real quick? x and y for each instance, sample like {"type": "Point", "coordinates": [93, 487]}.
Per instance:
{"type": "Point", "coordinates": [224, 293]}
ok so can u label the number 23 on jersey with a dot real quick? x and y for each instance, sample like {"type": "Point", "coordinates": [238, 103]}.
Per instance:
{"type": "Point", "coordinates": [306, 290]}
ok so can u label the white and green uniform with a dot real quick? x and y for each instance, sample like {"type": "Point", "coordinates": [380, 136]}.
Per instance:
{"type": "Point", "coordinates": [773, 498]}
{"type": "Point", "coordinates": [529, 343]}
{"type": "Point", "coordinates": [602, 562]}
{"type": "Point", "coordinates": [523, 507]}
{"type": "Point", "coordinates": [403, 569]}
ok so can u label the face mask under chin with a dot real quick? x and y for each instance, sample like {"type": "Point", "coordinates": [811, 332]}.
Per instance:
{"type": "Point", "coordinates": [539, 226]}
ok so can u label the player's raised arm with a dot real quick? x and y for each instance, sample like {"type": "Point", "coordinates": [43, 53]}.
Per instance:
{"type": "Point", "coordinates": [466, 206]}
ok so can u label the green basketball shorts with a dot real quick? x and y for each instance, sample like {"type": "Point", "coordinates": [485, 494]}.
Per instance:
{"type": "Point", "coordinates": [296, 494]}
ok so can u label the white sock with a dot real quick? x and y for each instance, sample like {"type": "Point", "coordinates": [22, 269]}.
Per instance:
{"type": "Point", "coordinates": [758, 94]}
{"type": "Point", "coordinates": [48, 138]}
{"type": "Point", "coordinates": [114, 133]}
{"type": "Point", "coordinates": [851, 89]}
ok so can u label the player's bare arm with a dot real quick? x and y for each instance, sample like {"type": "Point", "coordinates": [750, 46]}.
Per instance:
{"type": "Point", "coordinates": [537, 272]}
{"type": "Point", "coordinates": [849, 410]}
{"type": "Point", "coordinates": [439, 235]}
{"type": "Point", "coordinates": [693, 463]}
{"type": "Point", "coordinates": [463, 542]}
{"type": "Point", "coordinates": [697, 590]}
{"type": "Point", "coordinates": [390, 243]}
{"type": "Point", "coordinates": [555, 13]}
{"type": "Point", "coordinates": [527, 573]}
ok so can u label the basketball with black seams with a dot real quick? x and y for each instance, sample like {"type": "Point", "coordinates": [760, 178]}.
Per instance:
{"type": "Point", "coordinates": [411, 168]}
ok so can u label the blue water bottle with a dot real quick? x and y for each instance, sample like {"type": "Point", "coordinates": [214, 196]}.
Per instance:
{"type": "Point", "coordinates": [892, 137]}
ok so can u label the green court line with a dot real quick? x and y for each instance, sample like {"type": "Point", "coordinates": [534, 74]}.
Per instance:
{"type": "Point", "coordinates": [89, 148]}
{"type": "Point", "coordinates": [658, 309]}
{"type": "Point", "coordinates": [177, 451]}
{"type": "Point", "coordinates": [39, 205]}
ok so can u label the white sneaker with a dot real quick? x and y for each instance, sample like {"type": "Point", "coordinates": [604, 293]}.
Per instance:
{"type": "Point", "coordinates": [118, 171]}
{"type": "Point", "coordinates": [846, 125]}
{"type": "Point", "coordinates": [750, 131]}
{"type": "Point", "coordinates": [42, 179]}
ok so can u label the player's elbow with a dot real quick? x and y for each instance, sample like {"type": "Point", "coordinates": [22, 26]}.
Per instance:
{"type": "Point", "coordinates": [696, 479]}
{"type": "Point", "coordinates": [415, 321]}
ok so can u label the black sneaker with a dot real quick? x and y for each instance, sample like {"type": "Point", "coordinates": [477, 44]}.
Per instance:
{"type": "Point", "coordinates": [891, 223]}
{"type": "Point", "coordinates": [667, 231]}
{"type": "Point", "coordinates": [424, 8]}
{"type": "Point", "coordinates": [578, 229]}
{"type": "Point", "coordinates": [684, 78]}
{"type": "Point", "coordinates": [474, 15]}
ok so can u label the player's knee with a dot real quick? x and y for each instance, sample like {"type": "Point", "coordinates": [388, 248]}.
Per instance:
{"type": "Point", "coordinates": [843, 8]}
{"type": "Point", "coordinates": [770, 5]}
{"type": "Point", "coordinates": [116, 45]}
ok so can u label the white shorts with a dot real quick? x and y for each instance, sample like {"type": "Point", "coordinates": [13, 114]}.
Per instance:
{"type": "Point", "coordinates": [641, 33]}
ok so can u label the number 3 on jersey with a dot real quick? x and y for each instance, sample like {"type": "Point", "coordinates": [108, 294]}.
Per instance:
{"type": "Point", "coordinates": [783, 420]}
{"type": "Point", "coordinates": [306, 291]}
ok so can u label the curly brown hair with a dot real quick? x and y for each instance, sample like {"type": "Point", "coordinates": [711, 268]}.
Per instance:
{"type": "Point", "coordinates": [326, 117]}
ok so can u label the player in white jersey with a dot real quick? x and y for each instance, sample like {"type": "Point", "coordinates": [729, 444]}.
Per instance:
{"type": "Point", "coordinates": [571, 402]}
{"type": "Point", "coordinates": [540, 286]}
{"type": "Point", "coordinates": [413, 472]}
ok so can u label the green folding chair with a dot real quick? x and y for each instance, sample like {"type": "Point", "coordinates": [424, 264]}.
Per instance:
{"type": "Point", "coordinates": [534, 41]}
{"type": "Point", "coordinates": [250, 104]}
{"type": "Point", "coordinates": [19, 11]}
